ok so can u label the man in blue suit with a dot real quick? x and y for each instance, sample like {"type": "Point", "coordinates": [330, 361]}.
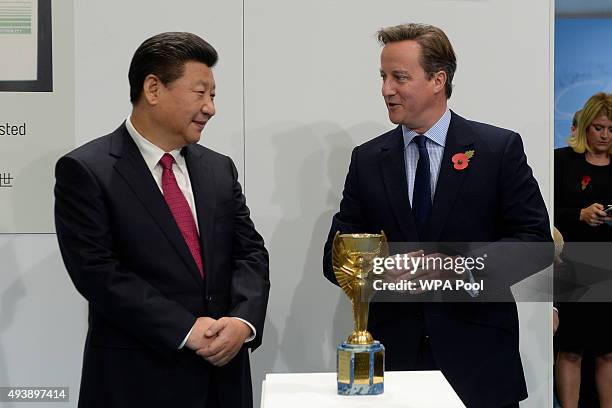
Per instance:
{"type": "Point", "coordinates": [438, 177]}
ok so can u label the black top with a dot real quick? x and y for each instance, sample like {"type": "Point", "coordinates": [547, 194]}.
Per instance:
{"type": "Point", "coordinates": [578, 184]}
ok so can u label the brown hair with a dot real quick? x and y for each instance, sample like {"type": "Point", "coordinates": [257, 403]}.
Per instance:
{"type": "Point", "coordinates": [437, 53]}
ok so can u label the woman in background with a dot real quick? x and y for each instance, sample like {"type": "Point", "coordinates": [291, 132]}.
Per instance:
{"type": "Point", "coordinates": [583, 189]}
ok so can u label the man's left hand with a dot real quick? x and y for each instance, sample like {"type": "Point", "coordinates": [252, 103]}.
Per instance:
{"type": "Point", "coordinates": [228, 335]}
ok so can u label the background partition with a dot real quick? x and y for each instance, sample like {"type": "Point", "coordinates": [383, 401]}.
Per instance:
{"type": "Point", "coordinates": [318, 95]}
{"type": "Point", "coordinates": [298, 87]}
{"type": "Point", "coordinates": [36, 110]}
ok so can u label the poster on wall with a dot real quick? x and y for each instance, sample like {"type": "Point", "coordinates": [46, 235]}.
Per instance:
{"type": "Point", "coordinates": [26, 44]}
{"type": "Point", "coordinates": [37, 108]}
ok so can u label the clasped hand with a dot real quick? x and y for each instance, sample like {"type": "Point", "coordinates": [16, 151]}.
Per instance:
{"type": "Point", "coordinates": [218, 341]}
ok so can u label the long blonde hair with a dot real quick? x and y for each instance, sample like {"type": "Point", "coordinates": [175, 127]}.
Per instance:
{"type": "Point", "coordinates": [597, 105]}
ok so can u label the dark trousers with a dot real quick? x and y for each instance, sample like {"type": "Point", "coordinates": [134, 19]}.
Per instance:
{"type": "Point", "coordinates": [213, 399]}
{"type": "Point", "coordinates": [425, 361]}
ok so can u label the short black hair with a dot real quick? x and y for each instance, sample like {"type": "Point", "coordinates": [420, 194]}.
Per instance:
{"type": "Point", "coordinates": [164, 55]}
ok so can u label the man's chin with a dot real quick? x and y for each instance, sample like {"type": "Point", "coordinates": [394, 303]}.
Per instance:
{"type": "Point", "coordinates": [193, 138]}
{"type": "Point", "coordinates": [394, 119]}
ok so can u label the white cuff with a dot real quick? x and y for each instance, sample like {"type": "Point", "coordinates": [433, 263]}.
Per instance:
{"type": "Point", "coordinates": [472, 292]}
{"type": "Point", "coordinates": [186, 337]}
{"type": "Point", "coordinates": [253, 331]}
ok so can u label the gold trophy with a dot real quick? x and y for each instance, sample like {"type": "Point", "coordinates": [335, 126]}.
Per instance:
{"type": "Point", "coordinates": [360, 360]}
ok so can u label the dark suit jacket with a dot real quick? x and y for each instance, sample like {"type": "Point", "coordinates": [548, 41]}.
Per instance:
{"type": "Point", "coordinates": [494, 200]}
{"type": "Point", "coordinates": [127, 257]}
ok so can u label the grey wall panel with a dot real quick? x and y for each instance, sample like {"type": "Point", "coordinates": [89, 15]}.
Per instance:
{"type": "Point", "coordinates": [108, 33]}
{"type": "Point", "coordinates": [46, 117]}
{"type": "Point", "coordinates": [313, 93]}
{"type": "Point", "coordinates": [42, 320]}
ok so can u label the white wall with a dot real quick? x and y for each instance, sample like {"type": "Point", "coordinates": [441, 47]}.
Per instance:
{"type": "Point", "coordinates": [27, 207]}
{"type": "Point", "coordinates": [309, 85]}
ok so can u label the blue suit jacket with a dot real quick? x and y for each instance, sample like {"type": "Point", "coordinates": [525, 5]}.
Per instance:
{"type": "Point", "coordinates": [494, 200]}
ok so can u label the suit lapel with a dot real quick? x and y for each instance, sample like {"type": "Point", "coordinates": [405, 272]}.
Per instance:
{"type": "Point", "coordinates": [202, 180]}
{"type": "Point", "coordinates": [458, 140]}
{"type": "Point", "coordinates": [132, 167]}
{"type": "Point", "coordinates": [393, 167]}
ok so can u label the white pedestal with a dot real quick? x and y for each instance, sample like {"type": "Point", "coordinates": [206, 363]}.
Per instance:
{"type": "Point", "coordinates": [406, 389]}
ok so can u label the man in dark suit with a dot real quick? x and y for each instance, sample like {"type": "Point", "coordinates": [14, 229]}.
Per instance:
{"type": "Point", "coordinates": [438, 177]}
{"type": "Point", "coordinates": [156, 235]}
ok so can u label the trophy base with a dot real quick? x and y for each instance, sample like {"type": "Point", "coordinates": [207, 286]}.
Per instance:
{"type": "Point", "coordinates": [360, 368]}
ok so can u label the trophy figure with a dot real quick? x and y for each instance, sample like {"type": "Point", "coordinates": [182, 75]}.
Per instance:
{"type": "Point", "coordinates": [360, 360]}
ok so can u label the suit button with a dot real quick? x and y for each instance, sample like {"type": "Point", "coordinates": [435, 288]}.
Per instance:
{"type": "Point", "coordinates": [209, 298]}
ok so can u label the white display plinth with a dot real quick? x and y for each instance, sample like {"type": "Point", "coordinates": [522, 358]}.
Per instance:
{"type": "Point", "coordinates": [407, 389]}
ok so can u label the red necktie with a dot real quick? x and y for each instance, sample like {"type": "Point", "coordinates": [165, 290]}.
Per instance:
{"type": "Point", "coordinates": [180, 210]}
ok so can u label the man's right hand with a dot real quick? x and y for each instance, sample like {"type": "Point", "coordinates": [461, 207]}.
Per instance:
{"type": "Point", "coordinates": [395, 275]}
{"type": "Point", "coordinates": [197, 339]}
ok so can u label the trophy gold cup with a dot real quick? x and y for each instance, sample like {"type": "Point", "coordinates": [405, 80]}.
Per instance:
{"type": "Point", "coordinates": [360, 360]}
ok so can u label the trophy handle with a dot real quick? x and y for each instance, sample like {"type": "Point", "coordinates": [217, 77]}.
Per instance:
{"type": "Point", "coordinates": [344, 277]}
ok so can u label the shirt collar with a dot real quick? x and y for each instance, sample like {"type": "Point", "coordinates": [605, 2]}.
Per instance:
{"type": "Point", "coordinates": [437, 133]}
{"type": "Point", "coordinates": [150, 152]}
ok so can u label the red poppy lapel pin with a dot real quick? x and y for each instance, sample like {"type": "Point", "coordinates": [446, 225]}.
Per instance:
{"type": "Point", "coordinates": [461, 160]}
{"type": "Point", "coordinates": [585, 182]}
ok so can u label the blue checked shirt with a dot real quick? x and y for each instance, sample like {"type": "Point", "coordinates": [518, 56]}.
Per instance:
{"type": "Point", "coordinates": [435, 140]}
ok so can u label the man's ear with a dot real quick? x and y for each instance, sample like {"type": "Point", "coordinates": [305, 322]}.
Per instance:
{"type": "Point", "coordinates": [439, 79]}
{"type": "Point", "coordinates": [151, 89]}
